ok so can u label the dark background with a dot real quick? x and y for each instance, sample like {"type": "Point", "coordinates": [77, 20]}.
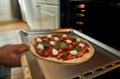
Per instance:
{"type": "Point", "coordinates": [101, 20]}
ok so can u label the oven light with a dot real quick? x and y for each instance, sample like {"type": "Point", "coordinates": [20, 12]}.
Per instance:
{"type": "Point", "coordinates": [80, 14]}
{"type": "Point", "coordinates": [79, 23]}
{"type": "Point", "coordinates": [81, 6]}
{"type": "Point", "coordinates": [82, 10]}
{"type": "Point", "coordinates": [118, 5]}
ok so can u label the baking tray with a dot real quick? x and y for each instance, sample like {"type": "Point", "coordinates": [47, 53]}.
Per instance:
{"type": "Point", "coordinates": [104, 60]}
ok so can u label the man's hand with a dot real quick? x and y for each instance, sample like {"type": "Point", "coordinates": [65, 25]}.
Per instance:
{"type": "Point", "coordinates": [10, 54]}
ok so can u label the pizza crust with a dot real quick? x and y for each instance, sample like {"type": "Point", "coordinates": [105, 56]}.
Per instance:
{"type": "Point", "coordinates": [79, 60]}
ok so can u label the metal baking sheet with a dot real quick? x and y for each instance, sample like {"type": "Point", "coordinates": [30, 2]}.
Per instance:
{"type": "Point", "coordinates": [104, 60]}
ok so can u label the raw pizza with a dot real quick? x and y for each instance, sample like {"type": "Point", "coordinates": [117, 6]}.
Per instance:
{"type": "Point", "coordinates": [63, 48]}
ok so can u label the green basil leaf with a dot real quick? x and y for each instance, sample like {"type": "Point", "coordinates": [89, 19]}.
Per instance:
{"type": "Point", "coordinates": [63, 45]}
{"type": "Point", "coordinates": [47, 41]}
{"type": "Point", "coordinates": [73, 39]}
{"type": "Point", "coordinates": [76, 48]}
{"type": "Point", "coordinates": [54, 47]}
{"type": "Point", "coordinates": [63, 55]}
{"type": "Point", "coordinates": [41, 52]}
{"type": "Point", "coordinates": [46, 45]}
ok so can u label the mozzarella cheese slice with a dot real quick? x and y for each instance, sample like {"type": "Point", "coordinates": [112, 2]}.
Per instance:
{"type": "Point", "coordinates": [39, 40]}
{"type": "Point", "coordinates": [56, 38]}
{"type": "Point", "coordinates": [73, 52]}
{"type": "Point", "coordinates": [49, 36]}
{"type": "Point", "coordinates": [52, 42]}
{"type": "Point", "coordinates": [54, 52]}
{"type": "Point", "coordinates": [64, 35]}
{"type": "Point", "coordinates": [78, 40]}
{"type": "Point", "coordinates": [40, 46]}
{"type": "Point", "coordinates": [81, 44]}
{"type": "Point", "coordinates": [68, 41]}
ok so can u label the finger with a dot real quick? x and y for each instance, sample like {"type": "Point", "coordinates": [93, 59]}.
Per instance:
{"type": "Point", "coordinates": [21, 47]}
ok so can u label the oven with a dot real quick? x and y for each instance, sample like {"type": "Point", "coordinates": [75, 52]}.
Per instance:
{"type": "Point", "coordinates": [98, 19]}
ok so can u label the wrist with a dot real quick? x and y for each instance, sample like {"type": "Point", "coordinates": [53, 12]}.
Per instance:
{"type": "Point", "coordinates": [1, 56]}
